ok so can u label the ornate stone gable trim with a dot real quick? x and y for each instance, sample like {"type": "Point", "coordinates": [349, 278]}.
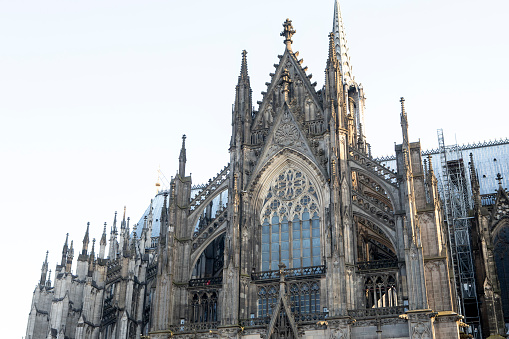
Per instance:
{"type": "Point", "coordinates": [285, 134]}
{"type": "Point", "coordinates": [287, 60]}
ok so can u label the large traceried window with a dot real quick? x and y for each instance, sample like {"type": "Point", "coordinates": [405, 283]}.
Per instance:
{"type": "Point", "coordinates": [290, 223]}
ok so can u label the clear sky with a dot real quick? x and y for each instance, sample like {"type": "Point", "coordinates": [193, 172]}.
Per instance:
{"type": "Point", "coordinates": [95, 96]}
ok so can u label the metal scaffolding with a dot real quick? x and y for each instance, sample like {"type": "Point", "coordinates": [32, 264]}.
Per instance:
{"type": "Point", "coordinates": [458, 202]}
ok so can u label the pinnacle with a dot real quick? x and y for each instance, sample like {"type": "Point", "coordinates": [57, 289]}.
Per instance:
{"type": "Point", "coordinates": [243, 67]}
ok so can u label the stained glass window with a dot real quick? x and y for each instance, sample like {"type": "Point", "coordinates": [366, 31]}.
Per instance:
{"type": "Point", "coordinates": [290, 223]}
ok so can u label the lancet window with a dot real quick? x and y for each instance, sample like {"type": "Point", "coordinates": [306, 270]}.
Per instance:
{"type": "Point", "coordinates": [501, 253]}
{"type": "Point", "coordinates": [290, 223]}
{"type": "Point", "coordinates": [380, 291]}
{"type": "Point", "coordinates": [204, 307]}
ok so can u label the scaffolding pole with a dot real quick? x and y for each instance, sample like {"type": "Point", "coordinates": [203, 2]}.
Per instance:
{"type": "Point", "coordinates": [457, 198]}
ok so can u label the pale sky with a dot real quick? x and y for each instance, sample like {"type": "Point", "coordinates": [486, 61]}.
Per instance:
{"type": "Point", "coordinates": [95, 96]}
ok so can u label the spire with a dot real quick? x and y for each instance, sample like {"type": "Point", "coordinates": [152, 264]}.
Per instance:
{"type": "Point", "coordinates": [48, 282]}
{"type": "Point", "coordinates": [340, 45]}
{"type": "Point", "coordinates": [64, 251]}
{"type": "Point", "coordinates": [112, 254]}
{"type": "Point", "coordinates": [86, 241]}
{"type": "Point", "coordinates": [288, 32]}
{"type": "Point", "coordinates": [115, 223]}
{"type": "Point", "coordinates": [91, 259]}
{"type": "Point", "coordinates": [404, 123]}
{"type": "Point", "coordinates": [70, 257]}
{"type": "Point", "coordinates": [182, 158]}
{"type": "Point", "coordinates": [243, 68]}
{"type": "Point", "coordinates": [122, 224]}
{"type": "Point", "coordinates": [44, 270]}
{"type": "Point", "coordinates": [102, 243]}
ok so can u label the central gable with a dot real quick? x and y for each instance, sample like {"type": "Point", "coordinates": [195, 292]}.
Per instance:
{"type": "Point", "coordinates": [285, 134]}
{"type": "Point", "coordinates": [302, 96]}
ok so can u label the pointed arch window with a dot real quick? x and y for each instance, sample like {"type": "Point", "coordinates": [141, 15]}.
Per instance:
{"type": "Point", "coordinates": [290, 222]}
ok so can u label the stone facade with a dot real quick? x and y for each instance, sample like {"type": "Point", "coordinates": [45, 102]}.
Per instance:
{"type": "Point", "coordinates": [314, 238]}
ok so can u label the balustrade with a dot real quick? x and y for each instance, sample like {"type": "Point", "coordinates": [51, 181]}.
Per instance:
{"type": "Point", "coordinates": [290, 273]}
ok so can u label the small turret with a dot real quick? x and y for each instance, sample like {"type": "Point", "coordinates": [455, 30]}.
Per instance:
{"type": "Point", "coordinates": [44, 270]}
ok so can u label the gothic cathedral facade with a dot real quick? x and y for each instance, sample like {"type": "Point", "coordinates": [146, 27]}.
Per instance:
{"type": "Point", "coordinates": [302, 235]}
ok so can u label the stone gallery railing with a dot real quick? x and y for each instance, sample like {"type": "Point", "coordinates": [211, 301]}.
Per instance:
{"type": "Point", "coordinates": [290, 273]}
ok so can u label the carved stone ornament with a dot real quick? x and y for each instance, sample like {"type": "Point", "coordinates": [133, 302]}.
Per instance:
{"type": "Point", "coordinates": [337, 333]}
{"type": "Point", "coordinates": [421, 331]}
{"type": "Point", "coordinates": [287, 134]}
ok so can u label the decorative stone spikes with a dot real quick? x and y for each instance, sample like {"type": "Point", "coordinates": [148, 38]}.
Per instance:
{"type": "Point", "coordinates": [288, 32]}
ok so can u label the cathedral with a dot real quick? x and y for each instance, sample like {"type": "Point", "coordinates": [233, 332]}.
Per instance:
{"type": "Point", "coordinates": [302, 235]}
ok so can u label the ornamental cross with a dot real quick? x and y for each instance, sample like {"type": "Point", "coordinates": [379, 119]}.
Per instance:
{"type": "Point", "coordinates": [499, 178]}
{"type": "Point", "coordinates": [288, 32]}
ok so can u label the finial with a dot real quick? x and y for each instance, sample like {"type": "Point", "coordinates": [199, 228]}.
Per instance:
{"type": "Point", "coordinates": [402, 100]}
{"type": "Point", "coordinates": [46, 260]}
{"type": "Point", "coordinates": [499, 178]}
{"type": "Point", "coordinates": [288, 32]}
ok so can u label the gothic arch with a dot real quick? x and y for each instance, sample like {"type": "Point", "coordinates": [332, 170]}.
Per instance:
{"type": "Point", "coordinates": [195, 214]}
{"type": "Point", "coordinates": [288, 158]}
{"type": "Point", "coordinates": [198, 252]}
{"type": "Point", "coordinates": [499, 226]}
{"type": "Point", "coordinates": [388, 233]}
{"type": "Point", "coordinates": [392, 192]}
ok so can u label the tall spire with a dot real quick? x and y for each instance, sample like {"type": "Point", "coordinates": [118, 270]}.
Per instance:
{"type": "Point", "coordinates": [340, 45]}
{"type": "Point", "coordinates": [182, 158]}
